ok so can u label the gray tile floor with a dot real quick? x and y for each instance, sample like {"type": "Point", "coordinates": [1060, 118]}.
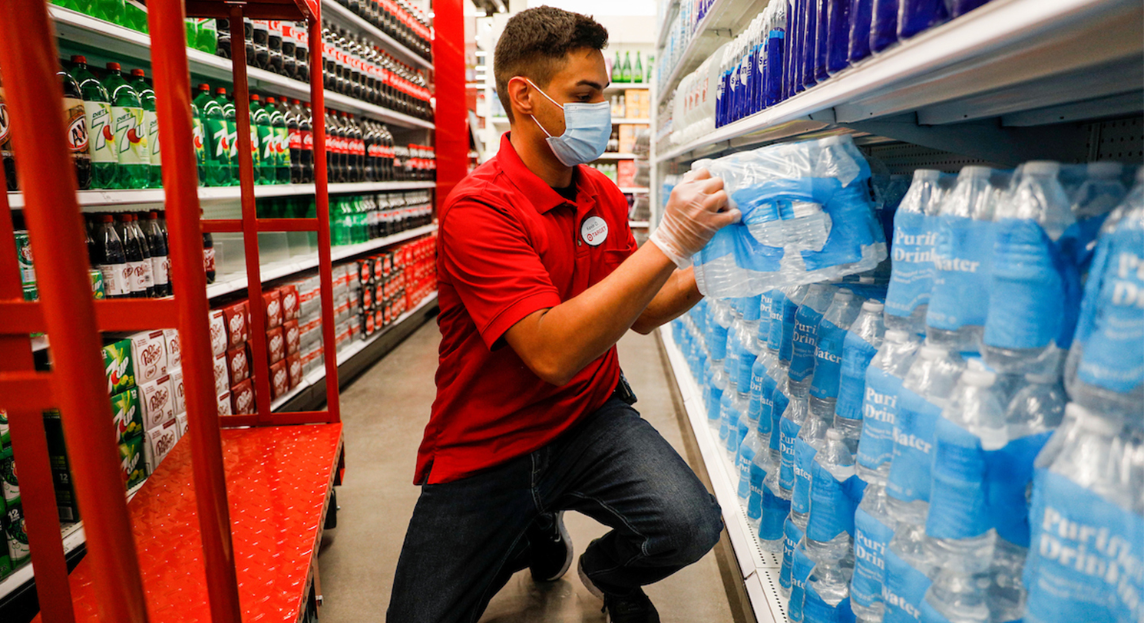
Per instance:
{"type": "Point", "coordinates": [385, 411]}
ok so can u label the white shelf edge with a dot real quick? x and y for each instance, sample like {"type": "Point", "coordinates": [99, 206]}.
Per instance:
{"type": "Point", "coordinates": [631, 121]}
{"type": "Point", "coordinates": [638, 224]}
{"type": "Point", "coordinates": [348, 17]}
{"type": "Point", "coordinates": [625, 86]}
{"type": "Point", "coordinates": [620, 156]}
{"type": "Point", "coordinates": [633, 189]}
{"type": "Point", "coordinates": [278, 270]}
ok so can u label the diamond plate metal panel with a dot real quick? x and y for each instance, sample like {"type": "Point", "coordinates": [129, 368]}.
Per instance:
{"type": "Point", "coordinates": [278, 483]}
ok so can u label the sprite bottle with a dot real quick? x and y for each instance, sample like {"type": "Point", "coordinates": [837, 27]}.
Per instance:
{"type": "Point", "coordinates": [232, 127]}
{"type": "Point", "coordinates": [97, 113]}
{"type": "Point", "coordinates": [217, 144]}
{"type": "Point", "coordinates": [198, 138]}
{"type": "Point", "coordinates": [150, 126]}
{"type": "Point", "coordinates": [130, 136]}
{"type": "Point", "coordinates": [262, 139]}
{"type": "Point", "coordinates": [281, 143]}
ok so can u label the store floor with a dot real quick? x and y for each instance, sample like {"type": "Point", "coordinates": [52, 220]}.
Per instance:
{"type": "Point", "coordinates": [385, 411]}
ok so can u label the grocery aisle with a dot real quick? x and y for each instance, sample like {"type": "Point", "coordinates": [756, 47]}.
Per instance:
{"type": "Point", "coordinates": [384, 412]}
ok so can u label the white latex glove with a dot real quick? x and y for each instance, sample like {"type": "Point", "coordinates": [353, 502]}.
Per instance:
{"type": "Point", "coordinates": [694, 212]}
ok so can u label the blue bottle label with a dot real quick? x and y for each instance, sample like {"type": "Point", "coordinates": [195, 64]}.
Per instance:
{"type": "Point", "coordinates": [963, 258]}
{"type": "Point", "coordinates": [832, 504]}
{"type": "Point", "coordinates": [746, 369]}
{"type": "Point", "coordinates": [714, 400]}
{"type": "Point", "coordinates": [1085, 560]}
{"type": "Point", "coordinates": [957, 502]}
{"type": "Point", "coordinates": [803, 464]}
{"type": "Point", "coordinates": [782, 325]}
{"type": "Point", "coordinates": [775, 513]}
{"type": "Point", "coordinates": [871, 539]}
{"type": "Point", "coordinates": [791, 537]}
{"type": "Point", "coordinates": [745, 457]}
{"type": "Point", "coordinates": [879, 406]}
{"type": "Point", "coordinates": [827, 360]}
{"type": "Point", "coordinates": [1112, 326]}
{"type": "Point", "coordinates": [717, 341]}
{"type": "Point", "coordinates": [755, 499]}
{"type": "Point", "coordinates": [913, 447]}
{"type": "Point", "coordinates": [806, 322]}
{"type": "Point", "coordinates": [903, 590]}
{"type": "Point", "coordinates": [1009, 474]}
{"type": "Point", "coordinates": [856, 356]}
{"type": "Point", "coordinates": [800, 570]}
{"type": "Point", "coordinates": [788, 433]}
{"type": "Point", "coordinates": [912, 277]}
{"type": "Point", "coordinates": [816, 610]}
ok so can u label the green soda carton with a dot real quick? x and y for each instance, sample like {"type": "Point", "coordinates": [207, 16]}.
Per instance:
{"type": "Point", "coordinates": [131, 461]}
{"type": "Point", "coordinates": [118, 366]}
{"type": "Point", "coordinates": [9, 483]}
{"type": "Point", "coordinates": [97, 290]}
{"type": "Point", "coordinates": [5, 561]}
{"type": "Point", "coordinates": [61, 474]}
{"type": "Point", "coordinates": [15, 531]}
{"type": "Point", "coordinates": [5, 436]}
{"type": "Point", "coordinates": [127, 414]}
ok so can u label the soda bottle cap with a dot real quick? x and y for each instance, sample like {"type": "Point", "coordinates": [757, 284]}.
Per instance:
{"type": "Point", "coordinates": [897, 335]}
{"type": "Point", "coordinates": [873, 306]}
{"type": "Point", "coordinates": [137, 72]}
{"type": "Point", "coordinates": [220, 91]}
{"type": "Point", "coordinates": [77, 58]}
{"type": "Point", "coordinates": [1042, 167]}
{"type": "Point", "coordinates": [113, 66]}
{"type": "Point", "coordinates": [106, 218]}
{"type": "Point", "coordinates": [205, 87]}
{"type": "Point", "coordinates": [153, 214]}
{"type": "Point", "coordinates": [270, 100]}
{"type": "Point", "coordinates": [123, 218]}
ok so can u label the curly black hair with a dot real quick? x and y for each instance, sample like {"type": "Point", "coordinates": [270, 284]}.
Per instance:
{"type": "Point", "coordinates": [535, 43]}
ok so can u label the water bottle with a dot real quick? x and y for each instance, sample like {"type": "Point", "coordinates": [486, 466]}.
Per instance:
{"type": "Point", "coordinates": [1097, 191]}
{"type": "Point", "coordinates": [957, 8]}
{"type": "Point", "coordinates": [873, 529]}
{"type": "Point", "coordinates": [757, 472]}
{"type": "Point", "coordinates": [783, 309]}
{"type": "Point", "coordinates": [716, 340]}
{"type": "Point", "coordinates": [792, 536]}
{"type": "Point", "coordinates": [811, 438]}
{"type": "Point", "coordinates": [828, 352]}
{"type": "Point", "coordinates": [915, 233]}
{"type": "Point", "coordinates": [925, 391]}
{"type": "Point", "coordinates": [838, 36]}
{"type": "Point", "coordinates": [880, 399]}
{"type": "Point", "coordinates": [909, 568]}
{"type": "Point", "coordinates": [972, 425]}
{"type": "Point", "coordinates": [822, 24]}
{"type": "Point", "coordinates": [809, 27]}
{"type": "Point", "coordinates": [1105, 367]}
{"type": "Point", "coordinates": [827, 597]}
{"type": "Point", "coordinates": [800, 571]}
{"type": "Point", "coordinates": [1038, 294]}
{"type": "Point", "coordinates": [1006, 595]}
{"type": "Point", "coordinates": [834, 498]}
{"type": "Point", "coordinates": [789, 426]}
{"type": "Point", "coordinates": [858, 349]}
{"type": "Point", "coordinates": [805, 339]}
{"type": "Point", "coordinates": [728, 421]}
{"type": "Point", "coordinates": [775, 511]}
{"type": "Point", "coordinates": [957, 596]}
{"type": "Point", "coordinates": [744, 458]}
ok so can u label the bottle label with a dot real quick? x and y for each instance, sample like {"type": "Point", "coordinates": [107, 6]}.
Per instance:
{"type": "Point", "coordinates": [817, 610]}
{"type": "Point", "coordinates": [791, 536]}
{"type": "Point", "coordinates": [912, 277]}
{"type": "Point", "coordinates": [879, 406]}
{"type": "Point", "coordinates": [76, 118]}
{"type": "Point", "coordinates": [151, 122]}
{"type": "Point", "coordinates": [232, 140]}
{"type": "Point", "coordinates": [1010, 474]}
{"type": "Point", "coordinates": [957, 502]}
{"type": "Point", "coordinates": [295, 139]}
{"type": "Point", "coordinates": [130, 135]}
{"type": "Point", "coordinates": [756, 474]}
{"type": "Point", "coordinates": [219, 135]}
{"type": "Point", "coordinates": [114, 279]}
{"type": "Point", "coordinates": [804, 454]}
{"type": "Point", "coordinates": [137, 276]}
{"type": "Point", "coordinates": [1112, 316]}
{"type": "Point", "coordinates": [101, 138]}
{"type": "Point", "coordinates": [1085, 561]}
{"type": "Point", "coordinates": [913, 447]}
{"type": "Point", "coordinates": [857, 354]}
{"type": "Point", "coordinates": [148, 274]}
{"type": "Point", "coordinates": [200, 146]}
{"type": "Point", "coordinates": [871, 539]}
{"type": "Point", "coordinates": [800, 570]}
{"type": "Point", "coordinates": [282, 144]}
{"type": "Point", "coordinates": [788, 433]}
{"type": "Point", "coordinates": [963, 260]}
{"type": "Point", "coordinates": [780, 401]}
{"type": "Point", "coordinates": [759, 406]}
{"type": "Point", "coordinates": [806, 322]}
{"type": "Point", "coordinates": [717, 341]}
{"type": "Point", "coordinates": [161, 269]}
{"type": "Point", "coordinates": [832, 504]}
{"type": "Point", "coordinates": [903, 591]}
{"type": "Point", "coordinates": [775, 512]}
{"type": "Point", "coordinates": [209, 259]}
{"type": "Point", "coordinates": [781, 336]}
{"type": "Point", "coordinates": [827, 360]}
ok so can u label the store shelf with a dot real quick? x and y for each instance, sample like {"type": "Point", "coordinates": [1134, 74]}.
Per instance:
{"type": "Point", "coordinates": [619, 120]}
{"type": "Point", "coordinates": [278, 270]}
{"type": "Point", "coordinates": [107, 38]}
{"type": "Point", "coordinates": [1017, 60]}
{"type": "Point", "coordinates": [759, 569]}
{"type": "Point", "coordinates": [638, 224]}
{"type": "Point", "coordinates": [663, 22]}
{"type": "Point", "coordinates": [624, 156]}
{"type": "Point", "coordinates": [111, 198]}
{"type": "Point", "coordinates": [632, 189]}
{"type": "Point", "coordinates": [617, 87]}
{"type": "Point", "coordinates": [346, 17]}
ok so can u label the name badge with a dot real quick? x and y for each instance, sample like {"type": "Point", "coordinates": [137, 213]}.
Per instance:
{"type": "Point", "coordinates": [594, 231]}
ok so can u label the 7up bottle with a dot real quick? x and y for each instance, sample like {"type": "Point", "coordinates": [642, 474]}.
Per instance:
{"type": "Point", "coordinates": [199, 138]}
{"type": "Point", "coordinates": [150, 126]}
{"type": "Point", "coordinates": [232, 126]}
{"type": "Point", "coordinates": [281, 144]}
{"type": "Point", "coordinates": [217, 163]}
{"type": "Point", "coordinates": [262, 142]}
{"type": "Point", "coordinates": [101, 138]}
{"type": "Point", "coordinates": [130, 135]}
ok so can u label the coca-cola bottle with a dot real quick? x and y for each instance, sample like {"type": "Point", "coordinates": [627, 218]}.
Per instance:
{"type": "Point", "coordinates": [354, 5]}
{"type": "Point", "coordinates": [223, 49]}
{"type": "Point", "coordinates": [209, 256]}
{"type": "Point", "coordinates": [333, 159]}
{"type": "Point", "coordinates": [302, 51]}
{"type": "Point", "coordinates": [306, 127]}
{"type": "Point", "coordinates": [289, 49]}
{"type": "Point", "coordinates": [329, 62]}
{"type": "Point", "coordinates": [369, 141]}
{"type": "Point", "coordinates": [261, 36]}
{"type": "Point", "coordinates": [353, 63]}
{"type": "Point", "coordinates": [248, 37]}
{"type": "Point", "coordinates": [274, 43]}
{"type": "Point", "coordinates": [353, 155]}
{"type": "Point", "coordinates": [291, 112]}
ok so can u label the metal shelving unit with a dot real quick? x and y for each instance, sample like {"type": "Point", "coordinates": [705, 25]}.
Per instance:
{"type": "Point", "coordinates": [346, 17]}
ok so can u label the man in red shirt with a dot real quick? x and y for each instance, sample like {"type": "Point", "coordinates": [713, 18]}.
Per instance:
{"type": "Point", "coordinates": [539, 278]}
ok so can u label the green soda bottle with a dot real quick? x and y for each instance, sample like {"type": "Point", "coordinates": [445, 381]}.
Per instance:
{"type": "Point", "coordinates": [198, 138]}
{"type": "Point", "coordinates": [261, 142]}
{"type": "Point", "coordinates": [130, 135]}
{"type": "Point", "coordinates": [617, 69]}
{"type": "Point", "coordinates": [217, 138]}
{"type": "Point", "coordinates": [208, 35]}
{"type": "Point", "coordinates": [150, 125]}
{"type": "Point", "coordinates": [627, 75]}
{"type": "Point", "coordinates": [232, 135]}
{"type": "Point", "coordinates": [637, 71]}
{"type": "Point", "coordinates": [281, 142]}
{"type": "Point", "coordinates": [101, 139]}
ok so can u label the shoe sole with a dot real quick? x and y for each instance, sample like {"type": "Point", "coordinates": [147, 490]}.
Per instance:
{"type": "Point", "coordinates": [599, 594]}
{"type": "Point", "coordinates": [567, 538]}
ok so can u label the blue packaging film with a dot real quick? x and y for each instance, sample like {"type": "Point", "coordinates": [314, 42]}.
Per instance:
{"type": "Point", "coordinates": [860, 15]}
{"type": "Point", "coordinates": [857, 354]}
{"type": "Point", "coordinates": [788, 433]}
{"type": "Point", "coordinates": [806, 321]}
{"type": "Point", "coordinates": [912, 253]}
{"type": "Point", "coordinates": [914, 16]}
{"type": "Point", "coordinates": [883, 25]}
{"type": "Point", "coordinates": [804, 454]}
{"type": "Point", "coordinates": [791, 537]}
{"type": "Point", "coordinates": [963, 256]}
{"type": "Point", "coordinates": [827, 360]}
{"type": "Point", "coordinates": [913, 447]}
{"type": "Point", "coordinates": [903, 590]}
{"type": "Point", "coordinates": [775, 513]}
{"type": "Point", "coordinates": [832, 504]}
{"type": "Point", "coordinates": [871, 540]}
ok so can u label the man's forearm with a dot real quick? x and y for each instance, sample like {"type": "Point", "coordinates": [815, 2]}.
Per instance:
{"type": "Point", "coordinates": [678, 295]}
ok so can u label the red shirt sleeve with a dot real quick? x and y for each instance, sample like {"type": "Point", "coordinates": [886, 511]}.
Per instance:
{"type": "Point", "coordinates": [497, 273]}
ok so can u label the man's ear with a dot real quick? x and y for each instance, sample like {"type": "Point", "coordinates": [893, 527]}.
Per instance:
{"type": "Point", "coordinates": [520, 95]}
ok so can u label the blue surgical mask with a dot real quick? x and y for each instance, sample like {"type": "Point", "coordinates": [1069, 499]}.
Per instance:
{"type": "Point", "coordinates": [587, 128]}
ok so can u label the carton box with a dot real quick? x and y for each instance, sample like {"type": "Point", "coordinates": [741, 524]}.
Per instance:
{"type": "Point", "coordinates": [218, 332]}
{"type": "Point", "coordinates": [367, 323]}
{"type": "Point", "coordinates": [9, 483]}
{"type": "Point", "coordinates": [626, 173]}
{"type": "Point", "coordinates": [627, 137]}
{"type": "Point", "coordinates": [66, 502]}
{"type": "Point", "coordinates": [294, 370]}
{"type": "Point", "coordinates": [159, 442]}
{"type": "Point", "coordinates": [365, 270]}
{"type": "Point", "coordinates": [182, 421]}
{"type": "Point", "coordinates": [242, 398]}
{"type": "Point", "coordinates": [61, 474]}
{"type": "Point", "coordinates": [174, 349]}
{"type": "Point", "coordinates": [293, 336]}
{"type": "Point", "coordinates": [5, 560]}
{"type": "Point", "coordinates": [236, 327]}
{"type": "Point", "coordinates": [5, 435]}
{"type": "Point", "coordinates": [290, 302]}
{"type": "Point", "coordinates": [279, 380]}
{"type": "Point", "coordinates": [158, 402]}
{"type": "Point", "coordinates": [221, 375]}
{"type": "Point", "coordinates": [275, 345]}
{"type": "Point", "coordinates": [149, 354]}
{"type": "Point", "coordinates": [15, 532]}
{"type": "Point", "coordinates": [118, 366]}
{"type": "Point", "coordinates": [378, 268]}
{"type": "Point", "coordinates": [178, 391]}
{"type": "Point", "coordinates": [272, 303]}
{"type": "Point", "coordinates": [127, 414]}
{"type": "Point", "coordinates": [224, 404]}
{"type": "Point", "coordinates": [131, 461]}
{"type": "Point", "coordinates": [238, 365]}
{"type": "Point", "coordinates": [366, 300]}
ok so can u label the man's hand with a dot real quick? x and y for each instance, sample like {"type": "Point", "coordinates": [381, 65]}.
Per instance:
{"type": "Point", "coordinates": [694, 212]}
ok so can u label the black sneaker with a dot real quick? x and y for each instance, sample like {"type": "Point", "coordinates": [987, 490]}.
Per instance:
{"type": "Point", "coordinates": [631, 608]}
{"type": "Point", "coordinates": [551, 547]}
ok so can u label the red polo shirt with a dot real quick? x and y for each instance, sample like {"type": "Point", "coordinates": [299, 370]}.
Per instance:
{"type": "Point", "coordinates": [509, 246]}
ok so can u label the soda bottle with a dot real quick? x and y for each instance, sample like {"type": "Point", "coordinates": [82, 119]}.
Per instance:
{"type": "Point", "coordinates": [76, 121]}
{"type": "Point", "coordinates": [199, 140]}
{"type": "Point", "coordinates": [637, 71]}
{"type": "Point", "coordinates": [217, 161]}
{"type": "Point", "coordinates": [112, 260]}
{"type": "Point", "coordinates": [333, 157]}
{"type": "Point", "coordinates": [302, 51]}
{"type": "Point", "coordinates": [208, 35]}
{"type": "Point", "coordinates": [262, 142]}
{"type": "Point", "coordinates": [353, 158]}
{"type": "Point", "coordinates": [101, 138]}
{"type": "Point", "coordinates": [280, 140]}
{"type": "Point", "coordinates": [138, 259]}
{"type": "Point", "coordinates": [289, 50]}
{"type": "Point", "coordinates": [131, 147]}
{"type": "Point", "coordinates": [160, 259]}
{"type": "Point", "coordinates": [248, 35]}
{"type": "Point", "coordinates": [231, 117]}
{"type": "Point", "coordinates": [6, 143]}
{"type": "Point", "coordinates": [261, 34]}
{"type": "Point", "coordinates": [151, 126]}
{"type": "Point", "coordinates": [274, 43]}
{"type": "Point", "coordinates": [224, 41]}
{"type": "Point", "coordinates": [626, 74]}
{"type": "Point", "coordinates": [306, 155]}
{"type": "Point", "coordinates": [209, 256]}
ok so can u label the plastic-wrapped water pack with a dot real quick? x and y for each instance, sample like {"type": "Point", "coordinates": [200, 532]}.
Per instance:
{"type": "Point", "coordinates": [807, 217]}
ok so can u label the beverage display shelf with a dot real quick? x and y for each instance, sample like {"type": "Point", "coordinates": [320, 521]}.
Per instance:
{"type": "Point", "coordinates": [278, 270]}
{"type": "Point", "coordinates": [638, 224]}
{"type": "Point", "coordinates": [759, 569]}
{"type": "Point", "coordinates": [627, 190]}
{"type": "Point", "coordinates": [662, 23]}
{"type": "Point", "coordinates": [1020, 60]}
{"type": "Point", "coordinates": [616, 87]}
{"type": "Point", "coordinates": [349, 352]}
{"type": "Point", "coordinates": [342, 15]}
{"type": "Point", "coordinates": [615, 156]}
{"type": "Point", "coordinates": [632, 121]}
{"type": "Point", "coordinates": [108, 199]}
{"type": "Point", "coordinates": [107, 38]}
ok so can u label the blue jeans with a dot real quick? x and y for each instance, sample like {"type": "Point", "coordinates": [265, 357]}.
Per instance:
{"type": "Point", "coordinates": [467, 537]}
